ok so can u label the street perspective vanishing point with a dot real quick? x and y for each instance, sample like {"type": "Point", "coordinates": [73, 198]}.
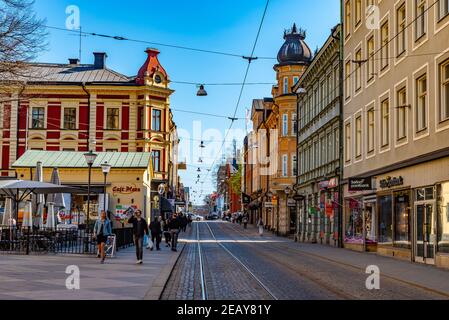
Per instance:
{"type": "Point", "coordinates": [234, 153]}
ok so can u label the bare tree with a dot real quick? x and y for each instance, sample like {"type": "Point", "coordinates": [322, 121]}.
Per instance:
{"type": "Point", "coordinates": [22, 37]}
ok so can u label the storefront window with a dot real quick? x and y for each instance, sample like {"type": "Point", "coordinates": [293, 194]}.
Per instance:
{"type": "Point", "coordinates": [402, 219]}
{"type": "Point", "coordinates": [385, 219]}
{"type": "Point", "coordinates": [443, 219]}
{"type": "Point", "coordinates": [354, 221]}
{"type": "Point", "coordinates": [370, 222]}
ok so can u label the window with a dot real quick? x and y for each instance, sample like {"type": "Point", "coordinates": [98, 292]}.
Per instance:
{"type": "Point", "coordinates": [69, 118]}
{"type": "Point", "coordinates": [38, 118]}
{"type": "Point", "coordinates": [294, 166]}
{"type": "Point", "coordinates": [347, 18]}
{"type": "Point", "coordinates": [358, 71]}
{"type": "Point", "coordinates": [370, 66]}
{"type": "Point", "coordinates": [444, 88]}
{"type": "Point", "coordinates": [111, 150]}
{"type": "Point", "coordinates": [323, 151]}
{"type": "Point", "coordinates": [156, 120]}
{"type": "Point", "coordinates": [358, 137]}
{"type": "Point", "coordinates": [401, 114]}
{"type": "Point", "coordinates": [141, 119]}
{"type": "Point", "coordinates": [68, 149]}
{"type": "Point", "coordinates": [330, 147]}
{"type": "Point", "coordinates": [443, 9]}
{"type": "Point", "coordinates": [284, 165]}
{"type": "Point", "coordinates": [112, 118]}
{"type": "Point", "coordinates": [420, 20]}
{"type": "Point", "coordinates": [316, 150]}
{"type": "Point", "coordinates": [385, 123]}
{"type": "Point", "coordinates": [295, 80]}
{"type": "Point", "coordinates": [348, 142]}
{"type": "Point", "coordinates": [401, 219]}
{"type": "Point", "coordinates": [385, 219]}
{"type": "Point", "coordinates": [285, 124]}
{"type": "Point", "coordinates": [286, 85]}
{"type": "Point", "coordinates": [156, 155]}
{"type": "Point", "coordinates": [421, 104]}
{"type": "Point", "coordinates": [358, 12]}
{"type": "Point", "coordinates": [348, 79]}
{"type": "Point", "coordinates": [370, 130]}
{"type": "Point", "coordinates": [401, 21]}
{"type": "Point", "coordinates": [384, 41]}
{"type": "Point", "coordinates": [294, 124]}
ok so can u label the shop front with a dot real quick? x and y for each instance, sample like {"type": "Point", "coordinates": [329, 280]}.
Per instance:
{"type": "Point", "coordinates": [127, 183]}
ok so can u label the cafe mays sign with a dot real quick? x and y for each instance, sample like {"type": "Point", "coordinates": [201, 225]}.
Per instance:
{"type": "Point", "coordinates": [389, 182]}
{"type": "Point", "coordinates": [126, 189]}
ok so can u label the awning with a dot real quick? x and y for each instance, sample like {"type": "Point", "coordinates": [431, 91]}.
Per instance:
{"type": "Point", "coordinates": [166, 205]}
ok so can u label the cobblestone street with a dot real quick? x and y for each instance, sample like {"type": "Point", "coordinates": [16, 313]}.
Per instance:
{"type": "Point", "coordinates": [238, 264]}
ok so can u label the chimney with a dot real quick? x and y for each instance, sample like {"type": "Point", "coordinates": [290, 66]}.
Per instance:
{"type": "Point", "coordinates": [74, 61]}
{"type": "Point", "coordinates": [100, 60]}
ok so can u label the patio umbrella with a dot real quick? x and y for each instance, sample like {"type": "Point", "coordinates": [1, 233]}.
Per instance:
{"type": "Point", "coordinates": [50, 224]}
{"type": "Point", "coordinates": [19, 190]}
{"type": "Point", "coordinates": [38, 199]}
{"type": "Point", "coordinates": [28, 215]}
{"type": "Point", "coordinates": [7, 214]}
{"type": "Point", "coordinates": [56, 198]}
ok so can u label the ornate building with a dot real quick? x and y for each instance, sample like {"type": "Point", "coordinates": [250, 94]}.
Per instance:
{"type": "Point", "coordinates": [293, 59]}
{"type": "Point", "coordinates": [82, 107]}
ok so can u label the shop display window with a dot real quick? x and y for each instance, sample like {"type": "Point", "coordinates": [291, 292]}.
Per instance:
{"type": "Point", "coordinates": [385, 219]}
{"type": "Point", "coordinates": [354, 221]}
{"type": "Point", "coordinates": [443, 219]}
{"type": "Point", "coordinates": [402, 219]}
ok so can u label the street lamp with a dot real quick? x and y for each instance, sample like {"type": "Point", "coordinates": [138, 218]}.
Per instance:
{"type": "Point", "coordinates": [90, 159]}
{"type": "Point", "coordinates": [287, 191]}
{"type": "Point", "coordinates": [106, 168]}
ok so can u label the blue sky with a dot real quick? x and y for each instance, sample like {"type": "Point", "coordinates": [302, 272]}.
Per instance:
{"type": "Point", "coordinates": [229, 26]}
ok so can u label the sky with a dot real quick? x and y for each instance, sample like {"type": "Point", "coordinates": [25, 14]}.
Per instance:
{"type": "Point", "coordinates": [227, 26]}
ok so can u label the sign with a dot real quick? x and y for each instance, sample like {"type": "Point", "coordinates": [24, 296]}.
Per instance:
{"type": "Point", "coordinates": [128, 189]}
{"type": "Point", "coordinates": [274, 200]}
{"type": "Point", "coordinates": [298, 197]}
{"type": "Point", "coordinates": [333, 183]}
{"type": "Point", "coordinates": [323, 184]}
{"type": "Point", "coordinates": [268, 205]}
{"type": "Point", "coordinates": [391, 182]}
{"type": "Point", "coordinates": [246, 199]}
{"type": "Point", "coordinates": [124, 212]}
{"type": "Point", "coordinates": [360, 184]}
{"type": "Point", "coordinates": [291, 202]}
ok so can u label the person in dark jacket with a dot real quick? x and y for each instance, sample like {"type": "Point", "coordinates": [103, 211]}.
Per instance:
{"type": "Point", "coordinates": [156, 232]}
{"type": "Point", "coordinates": [174, 226]}
{"type": "Point", "coordinates": [184, 222]}
{"type": "Point", "coordinates": [140, 229]}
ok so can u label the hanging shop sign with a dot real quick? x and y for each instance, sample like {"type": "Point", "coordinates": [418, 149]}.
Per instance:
{"type": "Point", "coordinates": [268, 205]}
{"type": "Point", "coordinates": [274, 200]}
{"type": "Point", "coordinates": [246, 199]}
{"type": "Point", "coordinates": [333, 183]}
{"type": "Point", "coordinates": [391, 182]}
{"type": "Point", "coordinates": [323, 184]}
{"type": "Point", "coordinates": [291, 202]}
{"type": "Point", "coordinates": [360, 184]}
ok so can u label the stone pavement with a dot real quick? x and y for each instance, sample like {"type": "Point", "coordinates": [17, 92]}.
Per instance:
{"type": "Point", "coordinates": [43, 277]}
{"type": "Point", "coordinates": [415, 274]}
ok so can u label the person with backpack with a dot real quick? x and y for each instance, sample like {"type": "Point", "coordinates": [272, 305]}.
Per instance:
{"type": "Point", "coordinates": [140, 229]}
{"type": "Point", "coordinates": [156, 233]}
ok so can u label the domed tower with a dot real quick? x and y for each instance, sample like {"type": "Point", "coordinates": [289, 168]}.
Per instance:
{"type": "Point", "coordinates": [293, 58]}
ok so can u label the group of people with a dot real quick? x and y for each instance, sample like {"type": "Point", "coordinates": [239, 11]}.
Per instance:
{"type": "Point", "coordinates": [170, 228]}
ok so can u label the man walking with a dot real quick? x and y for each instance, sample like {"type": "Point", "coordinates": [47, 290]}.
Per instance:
{"type": "Point", "coordinates": [174, 225]}
{"type": "Point", "coordinates": [140, 229]}
{"type": "Point", "coordinates": [156, 232]}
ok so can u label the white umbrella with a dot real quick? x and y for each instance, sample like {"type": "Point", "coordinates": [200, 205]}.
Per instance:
{"type": "Point", "coordinates": [7, 214]}
{"type": "Point", "coordinates": [28, 215]}
{"type": "Point", "coordinates": [50, 224]}
{"type": "Point", "coordinates": [56, 198]}
{"type": "Point", "coordinates": [38, 199]}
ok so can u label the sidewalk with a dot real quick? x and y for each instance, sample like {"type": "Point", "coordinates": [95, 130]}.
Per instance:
{"type": "Point", "coordinates": [424, 276]}
{"type": "Point", "coordinates": [43, 277]}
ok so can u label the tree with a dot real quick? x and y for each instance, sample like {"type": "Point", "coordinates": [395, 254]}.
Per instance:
{"type": "Point", "coordinates": [235, 181]}
{"type": "Point", "coordinates": [22, 38]}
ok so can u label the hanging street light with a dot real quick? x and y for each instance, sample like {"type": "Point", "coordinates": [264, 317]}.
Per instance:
{"type": "Point", "coordinates": [202, 145]}
{"type": "Point", "coordinates": [201, 92]}
{"type": "Point", "coordinates": [106, 168]}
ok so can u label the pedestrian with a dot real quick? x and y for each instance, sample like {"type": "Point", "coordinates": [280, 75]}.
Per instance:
{"type": "Point", "coordinates": [184, 222]}
{"type": "Point", "coordinates": [140, 229]}
{"type": "Point", "coordinates": [174, 226]}
{"type": "Point", "coordinates": [156, 233]}
{"type": "Point", "coordinates": [166, 231]}
{"type": "Point", "coordinates": [245, 221]}
{"type": "Point", "coordinates": [102, 230]}
{"type": "Point", "coordinates": [260, 225]}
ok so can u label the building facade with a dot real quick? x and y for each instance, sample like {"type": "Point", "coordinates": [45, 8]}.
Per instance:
{"type": "Point", "coordinates": [82, 107]}
{"type": "Point", "coordinates": [293, 59]}
{"type": "Point", "coordinates": [396, 113]}
{"type": "Point", "coordinates": [318, 146]}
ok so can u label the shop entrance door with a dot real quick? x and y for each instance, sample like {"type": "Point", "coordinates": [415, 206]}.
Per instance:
{"type": "Point", "coordinates": [425, 233]}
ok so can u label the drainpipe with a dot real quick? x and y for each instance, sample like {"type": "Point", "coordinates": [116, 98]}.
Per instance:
{"type": "Point", "coordinates": [83, 86]}
{"type": "Point", "coordinates": [341, 142]}
{"type": "Point", "coordinates": [18, 119]}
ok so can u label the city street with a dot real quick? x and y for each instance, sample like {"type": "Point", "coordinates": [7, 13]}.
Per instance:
{"type": "Point", "coordinates": [238, 264]}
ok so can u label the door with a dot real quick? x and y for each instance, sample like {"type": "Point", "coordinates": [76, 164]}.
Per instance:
{"type": "Point", "coordinates": [425, 232]}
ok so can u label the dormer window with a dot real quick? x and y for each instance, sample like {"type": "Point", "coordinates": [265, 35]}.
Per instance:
{"type": "Point", "coordinates": [157, 79]}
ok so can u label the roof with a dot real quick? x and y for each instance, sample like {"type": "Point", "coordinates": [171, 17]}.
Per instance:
{"type": "Point", "coordinates": [70, 159]}
{"type": "Point", "coordinates": [67, 73]}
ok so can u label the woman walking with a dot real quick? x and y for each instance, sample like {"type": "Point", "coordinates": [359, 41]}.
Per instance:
{"type": "Point", "coordinates": [260, 225]}
{"type": "Point", "coordinates": [102, 230]}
